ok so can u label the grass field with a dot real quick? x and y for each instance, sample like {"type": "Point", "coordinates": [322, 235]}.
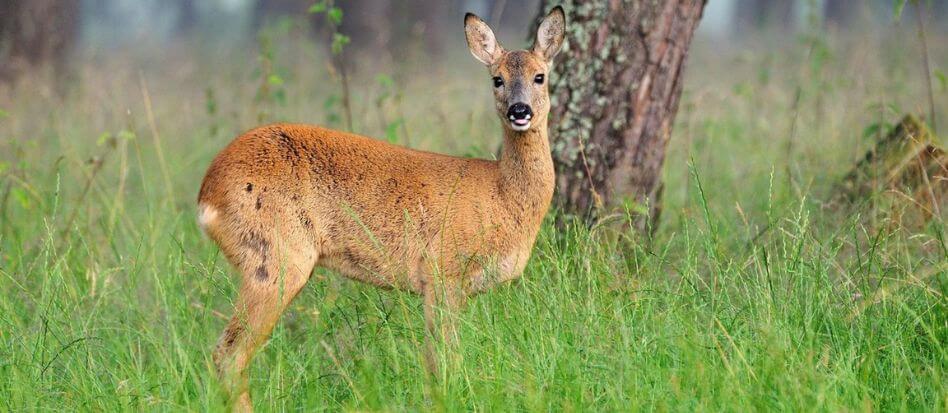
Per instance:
{"type": "Point", "coordinates": [751, 296]}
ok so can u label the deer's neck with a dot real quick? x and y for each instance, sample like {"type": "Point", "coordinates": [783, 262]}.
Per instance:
{"type": "Point", "coordinates": [526, 170]}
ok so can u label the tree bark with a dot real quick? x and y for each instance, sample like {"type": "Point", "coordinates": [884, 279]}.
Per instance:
{"type": "Point", "coordinates": [36, 32]}
{"type": "Point", "coordinates": [614, 97]}
{"type": "Point", "coordinates": [187, 17]}
{"type": "Point", "coordinates": [368, 24]}
{"type": "Point", "coordinates": [432, 18]}
{"type": "Point", "coordinates": [839, 14]}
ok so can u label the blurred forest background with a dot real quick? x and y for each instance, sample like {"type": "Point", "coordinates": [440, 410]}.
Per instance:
{"type": "Point", "coordinates": [270, 59]}
{"type": "Point", "coordinates": [57, 30]}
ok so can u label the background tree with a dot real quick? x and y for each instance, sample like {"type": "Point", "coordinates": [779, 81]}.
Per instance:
{"type": "Point", "coordinates": [368, 23]}
{"type": "Point", "coordinates": [838, 13]}
{"type": "Point", "coordinates": [615, 95]}
{"type": "Point", "coordinates": [36, 32]}
{"type": "Point", "coordinates": [187, 16]}
{"type": "Point", "coordinates": [424, 24]}
{"type": "Point", "coordinates": [386, 28]}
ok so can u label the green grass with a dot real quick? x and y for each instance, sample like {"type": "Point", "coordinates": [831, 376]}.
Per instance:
{"type": "Point", "coordinates": [111, 299]}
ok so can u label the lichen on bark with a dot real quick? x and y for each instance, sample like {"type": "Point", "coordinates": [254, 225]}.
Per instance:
{"type": "Point", "coordinates": [614, 96]}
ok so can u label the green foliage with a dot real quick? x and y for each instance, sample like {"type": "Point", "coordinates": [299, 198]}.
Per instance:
{"type": "Point", "coordinates": [126, 134]}
{"type": "Point", "coordinates": [317, 8]}
{"type": "Point", "coordinates": [882, 113]}
{"type": "Point", "coordinates": [334, 15]}
{"type": "Point", "coordinates": [275, 80]}
{"type": "Point", "coordinates": [271, 90]}
{"type": "Point", "coordinates": [897, 7]}
{"type": "Point", "coordinates": [104, 138]}
{"type": "Point", "coordinates": [942, 79]}
{"type": "Point", "coordinates": [339, 41]}
{"type": "Point", "coordinates": [391, 130]}
{"type": "Point", "coordinates": [331, 106]}
{"type": "Point", "coordinates": [21, 196]}
{"type": "Point", "coordinates": [876, 130]}
{"type": "Point", "coordinates": [334, 19]}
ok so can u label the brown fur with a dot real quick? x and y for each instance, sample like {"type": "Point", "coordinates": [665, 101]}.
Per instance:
{"type": "Point", "coordinates": [283, 198]}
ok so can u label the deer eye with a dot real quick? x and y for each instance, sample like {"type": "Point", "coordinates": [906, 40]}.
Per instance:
{"type": "Point", "coordinates": [498, 81]}
{"type": "Point", "coordinates": [538, 79]}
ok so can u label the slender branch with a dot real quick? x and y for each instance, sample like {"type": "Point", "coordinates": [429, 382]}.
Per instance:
{"type": "Point", "coordinates": [340, 62]}
{"type": "Point", "coordinates": [346, 103]}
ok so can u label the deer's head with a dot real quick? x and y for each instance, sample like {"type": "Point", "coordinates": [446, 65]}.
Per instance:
{"type": "Point", "coordinates": [519, 77]}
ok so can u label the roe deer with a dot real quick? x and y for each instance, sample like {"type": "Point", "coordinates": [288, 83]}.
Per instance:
{"type": "Point", "coordinates": [282, 199]}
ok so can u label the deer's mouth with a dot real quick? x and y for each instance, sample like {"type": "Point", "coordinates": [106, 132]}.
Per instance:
{"type": "Point", "coordinates": [520, 125]}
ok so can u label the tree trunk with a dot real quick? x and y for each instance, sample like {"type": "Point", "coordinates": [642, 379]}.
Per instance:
{"type": "Point", "coordinates": [187, 17]}
{"type": "Point", "coordinates": [838, 14]}
{"type": "Point", "coordinates": [432, 18]}
{"type": "Point", "coordinates": [368, 24]}
{"type": "Point", "coordinates": [614, 97]}
{"type": "Point", "coordinates": [34, 33]}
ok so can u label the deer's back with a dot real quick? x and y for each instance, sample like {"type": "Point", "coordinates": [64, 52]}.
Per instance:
{"type": "Point", "coordinates": [373, 210]}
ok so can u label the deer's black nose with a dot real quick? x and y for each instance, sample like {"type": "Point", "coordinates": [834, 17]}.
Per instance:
{"type": "Point", "coordinates": [519, 111]}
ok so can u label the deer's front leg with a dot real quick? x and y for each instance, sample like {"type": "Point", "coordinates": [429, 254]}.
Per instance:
{"type": "Point", "coordinates": [443, 299]}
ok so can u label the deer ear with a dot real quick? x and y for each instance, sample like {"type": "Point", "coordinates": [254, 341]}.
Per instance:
{"type": "Point", "coordinates": [481, 40]}
{"type": "Point", "coordinates": [550, 34]}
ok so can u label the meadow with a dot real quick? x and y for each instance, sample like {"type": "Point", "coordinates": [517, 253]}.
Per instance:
{"type": "Point", "coordinates": [754, 294]}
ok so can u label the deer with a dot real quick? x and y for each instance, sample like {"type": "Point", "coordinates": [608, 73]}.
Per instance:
{"type": "Point", "coordinates": [283, 199]}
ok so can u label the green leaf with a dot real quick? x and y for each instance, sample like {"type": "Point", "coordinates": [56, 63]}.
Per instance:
{"type": "Point", "coordinates": [339, 41]}
{"type": "Point", "coordinates": [126, 134]}
{"type": "Point", "coordinates": [4, 114]}
{"type": "Point", "coordinates": [285, 24]}
{"type": "Point", "coordinates": [330, 101]}
{"type": "Point", "coordinates": [275, 80]}
{"type": "Point", "coordinates": [280, 96]}
{"type": "Point", "coordinates": [317, 8]}
{"type": "Point", "coordinates": [886, 109]}
{"type": "Point", "coordinates": [384, 80]}
{"type": "Point", "coordinates": [391, 131]}
{"type": "Point", "coordinates": [20, 195]}
{"type": "Point", "coordinates": [942, 79]}
{"type": "Point", "coordinates": [103, 138]}
{"type": "Point", "coordinates": [743, 89]}
{"type": "Point", "coordinates": [877, 129]}
{"type": "Point", "coordinates": [335, 15]}
{"type": "Point", "coordinates": [897, 7]}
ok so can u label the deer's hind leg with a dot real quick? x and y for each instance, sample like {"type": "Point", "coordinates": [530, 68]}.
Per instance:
{"type": "Point", "coordinates": [274, 266]}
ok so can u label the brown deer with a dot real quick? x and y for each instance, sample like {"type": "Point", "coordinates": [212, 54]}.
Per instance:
{"type": "Point", "coordinates": [282, 199]}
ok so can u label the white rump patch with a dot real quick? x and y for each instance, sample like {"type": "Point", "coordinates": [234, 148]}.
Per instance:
{"type": "Point", "coordinates": [206, 215]}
